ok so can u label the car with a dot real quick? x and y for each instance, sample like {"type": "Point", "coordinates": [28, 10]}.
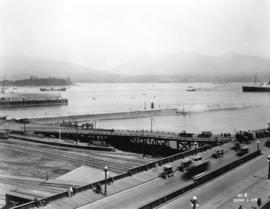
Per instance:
{"type": "Point", "coordinates": [185, 163]}
{"type": "Point", "coordinates": [218, 153]}
{"type": "Point", "coordinates": [267, 143]}
{"type": "Point", "coordinates": [243, 150]}
{"type": "Point", "coordinates": [167, 171]}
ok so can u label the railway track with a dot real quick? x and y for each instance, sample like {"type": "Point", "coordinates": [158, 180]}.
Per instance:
{"type": "Point", "coordinates": [96, 162]}
{"type": "Point", "coordinates": [29, 184]}
{"type": "Point", "coordinates": [129, 157]}
{"type": "Point", "coordinates": [94, 153]}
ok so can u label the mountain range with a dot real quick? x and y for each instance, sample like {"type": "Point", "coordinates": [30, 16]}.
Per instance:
{"type": "Point", "coordinates": [177, 67]}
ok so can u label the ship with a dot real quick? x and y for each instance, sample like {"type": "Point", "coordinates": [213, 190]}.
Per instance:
{"type": "Point", "coordinates": [53, 89]}
{"type": "Point", "coordinates": [257, 87]}
{"type": "Point", "coordinates": [23, 100]}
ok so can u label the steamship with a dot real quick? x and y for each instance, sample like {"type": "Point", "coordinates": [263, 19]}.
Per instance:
{"type": "Point", "coordinates": [260, 87]}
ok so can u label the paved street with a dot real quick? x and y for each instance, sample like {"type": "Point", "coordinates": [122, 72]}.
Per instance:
{"type": "Point", "coordinates": [140, 195]}
{"type": "Point", "coordinates": [222, 192]}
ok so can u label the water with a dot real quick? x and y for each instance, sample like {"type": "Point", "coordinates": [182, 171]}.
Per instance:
{"type": "Point", "coordinates": [213, 107]}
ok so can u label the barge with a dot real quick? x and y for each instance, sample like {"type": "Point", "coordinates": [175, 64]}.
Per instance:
{"type": "Point", "coordinates": [30, 100]}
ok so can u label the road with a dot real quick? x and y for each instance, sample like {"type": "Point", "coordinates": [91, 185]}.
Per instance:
{"type": "Point", "coordinates": [140, 195]}
{"type": "Point", "coordinates": [222, 191]}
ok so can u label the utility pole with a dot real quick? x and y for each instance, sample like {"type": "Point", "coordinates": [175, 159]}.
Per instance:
{"type": "Point", "coordinates": [59, 134]}
{"type": "Point", "coordinates": [152, 120]}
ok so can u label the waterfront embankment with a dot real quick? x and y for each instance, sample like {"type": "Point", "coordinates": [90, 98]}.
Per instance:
{"type": "Point", "coordinates": [109, 116]}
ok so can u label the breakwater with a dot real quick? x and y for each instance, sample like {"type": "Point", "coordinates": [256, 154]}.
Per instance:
{"type": "Point", "coordinates": [109, 116]}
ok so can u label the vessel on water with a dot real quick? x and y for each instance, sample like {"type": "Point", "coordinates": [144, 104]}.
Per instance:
{"type": "Point", "coordinates": [30, 100]}
{"type": "Point", "coordinates": [53, 89]}
{"type": "Point", "coordinates": [260, 87]}
{"type": "Point", "coordinates": [190, 88]}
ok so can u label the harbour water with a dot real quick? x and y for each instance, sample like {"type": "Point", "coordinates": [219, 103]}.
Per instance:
{"type": "Point", "coordinates": [213, 107]}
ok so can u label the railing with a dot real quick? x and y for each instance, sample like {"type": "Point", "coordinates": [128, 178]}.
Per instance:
{"type": "Point", "coordinates": [115, 178]}
{"type": "Point", "coordinates": [201, 180]}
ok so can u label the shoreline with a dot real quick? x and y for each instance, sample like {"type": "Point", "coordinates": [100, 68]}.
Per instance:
{"type": "Point", "coordinates": [110, 116]}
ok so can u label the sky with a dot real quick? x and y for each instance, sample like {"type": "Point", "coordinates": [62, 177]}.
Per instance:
{"type": "Point", "coordinates": [103, 34]}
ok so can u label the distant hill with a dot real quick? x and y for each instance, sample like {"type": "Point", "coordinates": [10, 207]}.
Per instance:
{"type": "Point", "coordinates": [178, 67]}
{"type": "Point", "coordinates": [197, 67]}
{"type": "Point", "coordinates": [22, 67]}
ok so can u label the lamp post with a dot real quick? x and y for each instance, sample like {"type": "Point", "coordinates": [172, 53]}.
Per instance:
{"type": "Point", "coordinates": [195, 146]}
{"type": "Point", "coordinates": [258, 145]}
{"type": "Point", "coordinates": [59, 134]}
{"type": "Point", "coordinates": [152, 120]}
{"type": "Point", "coordinates": [194, 202]}
{"type": "Point", "coordinates": [268, 158]}
{"type": "Point", "coordinates": [105, 185]}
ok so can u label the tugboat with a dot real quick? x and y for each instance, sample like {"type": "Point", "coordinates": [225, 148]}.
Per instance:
{"type": "Point", "coordinates": [261, 87]}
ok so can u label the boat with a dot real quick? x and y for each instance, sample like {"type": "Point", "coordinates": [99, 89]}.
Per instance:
{"type": "Point", "coordinates": [53, 89]}
{"type": "Point", "coordinates": [190, 88]}
{"type": "Point", "coordinates": [260, 87]}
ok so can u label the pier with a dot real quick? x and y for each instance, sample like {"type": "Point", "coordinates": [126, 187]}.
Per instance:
{"type": "Point", "coordinates": [30, 100]}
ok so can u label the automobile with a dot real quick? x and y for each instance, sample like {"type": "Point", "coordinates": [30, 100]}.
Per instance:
{"type": "Point", "coordinates": [243, 150]}
{"type": "Point", "coordinates": [267, 143]}
{"type": "Point", "coordinates": [218, 153]}
{"type": "Point", "coordinates": [197, 168]}
{"type": "Point", "coordinates": [167, 171]}
{"type": "Point", "coordinates": [185, 163]}
{"type": "Point", "coordinates": [197, 158]}
{"type": "Point", "coordinates": [236, 146]}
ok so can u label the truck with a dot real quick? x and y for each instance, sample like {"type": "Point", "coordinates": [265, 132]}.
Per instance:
{"type": "Point", "coordinates": [205, 134]}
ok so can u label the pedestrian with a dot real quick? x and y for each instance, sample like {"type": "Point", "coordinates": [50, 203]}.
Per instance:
{"type": "Point", "coordinates": [240, 207]}
{"type": "Point", "coordinates": [70, 192]}
{"type": "Point", "coordinates": [37, 202]}
{"type": "Point", "coordinates": [259, 202]}
{"type": "Point", "coordinates": [73, 189]}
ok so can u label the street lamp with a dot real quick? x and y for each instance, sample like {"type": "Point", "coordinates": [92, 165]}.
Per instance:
{"type": "Point", "coordinates": [59, 134]}
{"type": "Point", "coordinates": [152, 120]}
{"type": "Point", "coordinates": [194, 202]}
{"type": "Point", "coordinates": [196, 146]}
{"type": "Point", "coordinates": [258, 145]}
{"type": "Point", "coordinates": [105, 185]}
{"type": "Point", "coordinates": [268, 158]}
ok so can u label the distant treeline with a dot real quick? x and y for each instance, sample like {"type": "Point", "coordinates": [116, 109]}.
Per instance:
{"type": "Point", "coordinates": [35, 81]}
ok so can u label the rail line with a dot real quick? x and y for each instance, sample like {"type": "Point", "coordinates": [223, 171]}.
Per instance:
{"type": "Point", "coordinates": [82, 160]}
{"type": "Point", "coordinates": [29, 184]}
{"type": "Point", "coordinates": [98, 157]}
{"type": "Point", "coordinates": [94, 153]}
